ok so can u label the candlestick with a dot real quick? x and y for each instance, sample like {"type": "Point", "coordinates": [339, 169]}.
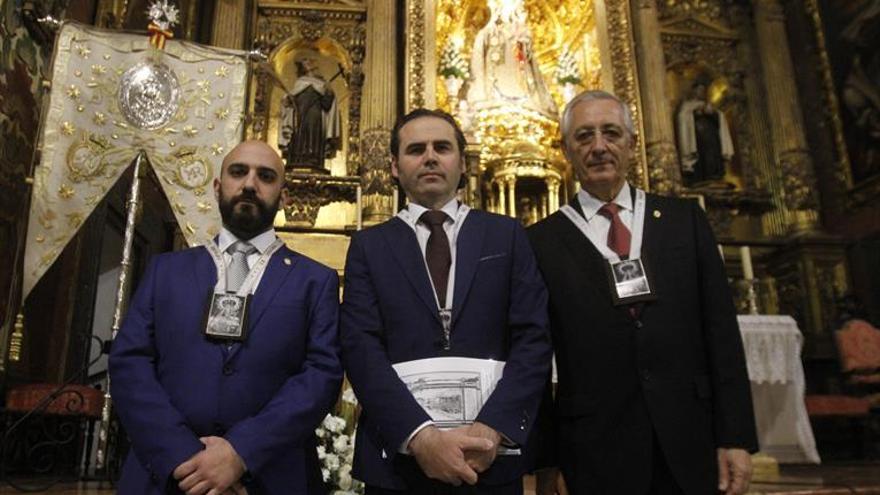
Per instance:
{"type": "Point", "coordinates": [746, 255]}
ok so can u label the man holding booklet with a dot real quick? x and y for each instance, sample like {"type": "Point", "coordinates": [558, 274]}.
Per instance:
{"type": "Point", "coordinates": [444, 331]}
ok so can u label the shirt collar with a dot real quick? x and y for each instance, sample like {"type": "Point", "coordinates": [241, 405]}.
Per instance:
{"type": "Point", "coordinates": [261, 242]}
{"type": "Point", "coordinates": [413, 211]}
{"type": "Point", "coordinates": [591, 204]}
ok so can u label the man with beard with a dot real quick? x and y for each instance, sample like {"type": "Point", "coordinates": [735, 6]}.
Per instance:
{"type": "Point", "coordinates": [229, 407]}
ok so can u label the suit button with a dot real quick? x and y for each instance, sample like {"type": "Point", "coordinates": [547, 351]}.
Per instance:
{"type": "Point", "coordinates": [646, 375]}
{"type": "Point", "coordinates": [638, 324]}
{"type": "Point", "coordinates": [227, 369]}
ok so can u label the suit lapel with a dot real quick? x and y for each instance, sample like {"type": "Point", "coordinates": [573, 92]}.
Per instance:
{"type": "Point", "coordinates": [587, 258]}
{"type": "Point", "coordinates": [205, 273]}
{"type": "Point", "coordinates": [406, 251]}
{"type": "Point", "coordinates": [468, 247]}
{"type": "Point", "coordinates": [652, 236]}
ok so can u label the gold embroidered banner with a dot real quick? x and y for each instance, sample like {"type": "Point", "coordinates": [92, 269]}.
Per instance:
{"type": "Point", "coordinates": [114, 95]}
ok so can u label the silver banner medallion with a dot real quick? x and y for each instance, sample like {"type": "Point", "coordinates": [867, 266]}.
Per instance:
{"type": "Point", "coordinates": [149, 95]}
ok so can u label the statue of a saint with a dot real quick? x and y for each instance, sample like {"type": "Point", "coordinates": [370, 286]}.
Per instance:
{"type": "Point", "coordinates": [310, 124]}
{"type": "Point", "coordinates": [704, 142]}
{"type": "Point", "coordinates": [503, 64]}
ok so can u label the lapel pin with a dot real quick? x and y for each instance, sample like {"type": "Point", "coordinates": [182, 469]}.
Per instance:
{"type": "Point", "coordinates": [657, 214]}
{"type": "Point", "coordinates": [287, 261]}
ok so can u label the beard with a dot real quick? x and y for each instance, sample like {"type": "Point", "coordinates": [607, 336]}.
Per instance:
{"type": "Point", "coordinates": [250, 219]}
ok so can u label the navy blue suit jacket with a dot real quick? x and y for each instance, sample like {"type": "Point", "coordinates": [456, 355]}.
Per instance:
{"type": "Point", "coordinates": [389, 315]}
{"type": "Point", "coordinates": [265, 396]}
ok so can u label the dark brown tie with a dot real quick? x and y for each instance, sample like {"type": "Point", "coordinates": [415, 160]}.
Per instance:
{"type": "Point", "coordinates": [618, 234]}
{"type": "Point", "coordinates": [437, 252]}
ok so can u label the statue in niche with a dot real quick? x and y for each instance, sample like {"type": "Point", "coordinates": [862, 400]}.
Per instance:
{"type": "Point", "coordinates": [503, 65]}
{"type": "Point", "coordinates": [704, 142]}
{"type": "Point", "coordinates": [311, 129]}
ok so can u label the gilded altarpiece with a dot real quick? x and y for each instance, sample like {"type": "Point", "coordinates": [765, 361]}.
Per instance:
{"type": "Point", "coordinates": [602, 34]}
{"type": "Point", "coordinates": [767, 191]}
{"type": "Point", "coordinates": [707, 43]}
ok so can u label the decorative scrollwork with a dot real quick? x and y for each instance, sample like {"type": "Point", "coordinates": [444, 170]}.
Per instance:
{"type": "Point", "coordinates": [415, 14]}
{"type": "Point", "coordinates": [625, 75]}
{"type": "Point", "coordinates": [309, 192]}
{"type": "Point", "coordinates": [798, 181]}
{"type": "Point", "coordinates": [662, 161]}
{"type": "Point", "coordinates": [376, 169]}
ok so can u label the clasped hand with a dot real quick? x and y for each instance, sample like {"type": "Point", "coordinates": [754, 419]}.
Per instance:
{"type": "Point", "coordinates": [455, 456]}
{"type": "Point", "coordinates": [213, 471]}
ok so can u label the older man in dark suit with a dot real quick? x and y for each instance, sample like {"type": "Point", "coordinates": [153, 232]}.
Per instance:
{"type": "Point", "coordinates": [653, 394]}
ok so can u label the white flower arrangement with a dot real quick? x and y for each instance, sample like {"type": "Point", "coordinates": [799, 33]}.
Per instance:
{"type": "Point", "coordinates": [567, 70]}
{"type": "Point", "coordinates": [336, 452]}
{"type": "Point", "coordinates": [164, 14]}
{"type": "Point", "coordinates": [452, 64]}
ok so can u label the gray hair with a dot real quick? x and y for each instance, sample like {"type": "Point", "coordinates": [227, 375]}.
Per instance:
{"type": "Point", "coordinates": [596, 95]}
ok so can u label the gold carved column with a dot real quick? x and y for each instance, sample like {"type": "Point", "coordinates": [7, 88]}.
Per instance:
{"type": "Point", "coordinates": [790, 153]}
{"type": "Point", "coordinates": [378, 109]}
{"type": "Point", "coordinates": [511, 196]}
{"type": "Point", "coordinates": [552, 195]}
{"type": "Point", "coordinates": [664, 175]}
{"type": "Point", "coordinates": [502, 197]}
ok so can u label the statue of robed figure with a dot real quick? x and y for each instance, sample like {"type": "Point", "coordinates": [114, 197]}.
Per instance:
{"type": "Point", "coordinates": [704, 142]}
{"type": "Point", "coordinates": [311, 128]}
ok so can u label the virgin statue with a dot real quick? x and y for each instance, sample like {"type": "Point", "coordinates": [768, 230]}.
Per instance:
{"type": "Point", "coordinates": [503, 64]}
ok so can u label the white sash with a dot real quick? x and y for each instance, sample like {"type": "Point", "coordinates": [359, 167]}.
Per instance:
{"type": "Point", "coordinates": [254, 273]}
{"type": "Point", "coordinates": [638, 227]}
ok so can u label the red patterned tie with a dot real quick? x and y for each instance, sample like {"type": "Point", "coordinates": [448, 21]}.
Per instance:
{"type": "Point", "coordinates": [618, 234]}
{"type": "Point", "coordinates": [437, 252]}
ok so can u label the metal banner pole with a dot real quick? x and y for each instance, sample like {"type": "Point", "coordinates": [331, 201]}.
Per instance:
{"type": "Point", "coordinates": [122, 290]}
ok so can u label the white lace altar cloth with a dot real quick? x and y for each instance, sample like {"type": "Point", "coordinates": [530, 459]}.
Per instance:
{"type": "Point", "coordinates": [772, 345]}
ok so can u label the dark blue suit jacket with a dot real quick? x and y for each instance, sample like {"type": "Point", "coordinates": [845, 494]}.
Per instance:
{"type": "Point", "coordinates": [389, 315]}
{"type": "Point", "coordinates": [265, 396]}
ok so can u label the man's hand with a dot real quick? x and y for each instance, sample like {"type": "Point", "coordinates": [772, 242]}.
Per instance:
{"type": "Point", "coordinates": [440, 454]}
{"type": "Point", "coordinates": [481, 460]}
{"type": "Point", "coordinates": [734, 471]}
{"type": "Point", "coordinates": [212, 471]}
{"type": "Point", "coordinates": [549, 481]}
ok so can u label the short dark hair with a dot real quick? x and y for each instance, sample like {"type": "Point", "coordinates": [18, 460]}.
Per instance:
{"type": "Point", "coordinates": [424, 112]}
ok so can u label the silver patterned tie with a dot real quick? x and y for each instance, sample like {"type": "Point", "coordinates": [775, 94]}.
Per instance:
{"type": "Point", "coordinates": [238, 267]}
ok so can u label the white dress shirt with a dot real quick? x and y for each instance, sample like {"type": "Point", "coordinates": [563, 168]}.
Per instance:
{"type": "Point", "coordinates": [598, 225]}
{"type": "Point", "coordinates": [455, 213]}
{"type": "Point", "coordinates": [262, 242]}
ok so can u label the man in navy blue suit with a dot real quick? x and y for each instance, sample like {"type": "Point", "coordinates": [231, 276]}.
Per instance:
{"type": "Point", "coordinates": [442, 280]}
{"type": "Point", "coordinates": [222, 399]}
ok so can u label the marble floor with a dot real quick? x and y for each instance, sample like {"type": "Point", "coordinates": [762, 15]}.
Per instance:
{"type": "Point", "coordinates": [840, 478]}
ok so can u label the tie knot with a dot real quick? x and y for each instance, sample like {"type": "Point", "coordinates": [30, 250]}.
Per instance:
{"type": "Point", "coordinates": [242, 247]}
{"type": "Point", "coordinates": [433, 218]}
{"type": "Point", "coordinates": [609, 210]}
